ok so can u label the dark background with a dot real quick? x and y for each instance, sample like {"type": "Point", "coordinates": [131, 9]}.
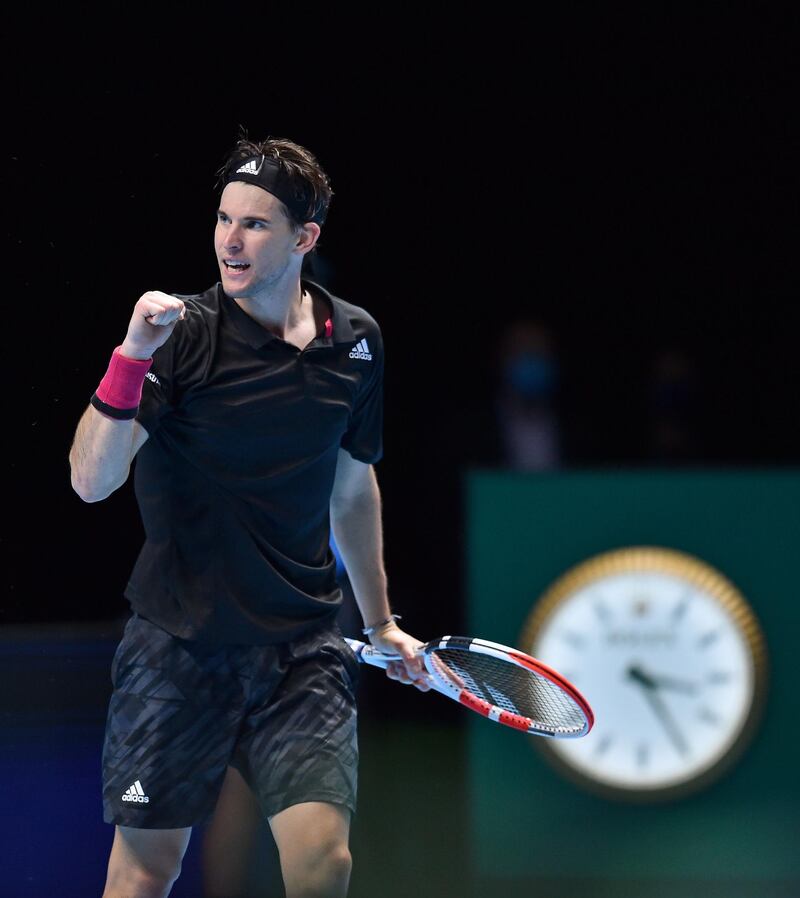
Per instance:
{"type": "Point", "coordinates": [628, 177]}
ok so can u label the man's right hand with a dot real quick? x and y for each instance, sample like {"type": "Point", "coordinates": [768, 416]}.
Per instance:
{"type": "Point", "coordinates": [154, 318]}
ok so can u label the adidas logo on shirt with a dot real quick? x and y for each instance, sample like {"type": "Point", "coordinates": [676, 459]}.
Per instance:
{"type": "Point", "coordinates": [136, 793]}
{"type": "Point", "coordinates": [250, 168]}
{"type": "Point", "coordinates": [361, 351]}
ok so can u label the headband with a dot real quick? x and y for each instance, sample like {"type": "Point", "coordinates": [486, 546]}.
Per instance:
{"type": "Point", "coordinates": [269, 175]}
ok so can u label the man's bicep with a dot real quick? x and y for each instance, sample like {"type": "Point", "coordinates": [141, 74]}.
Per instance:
{"type": "Point", "coordinates": [353, 478]}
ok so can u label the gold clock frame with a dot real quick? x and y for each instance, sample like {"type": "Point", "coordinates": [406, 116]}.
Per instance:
{"type": "Point", "coordinates": [644, 559]}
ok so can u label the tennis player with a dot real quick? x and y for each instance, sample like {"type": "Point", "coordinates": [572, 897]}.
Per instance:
{"type": "Point", "coordinates": [254, 411]}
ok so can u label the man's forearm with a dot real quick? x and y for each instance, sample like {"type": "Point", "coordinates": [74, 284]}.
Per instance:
{"type": "Point", "coordinates": [101, 454]}
{"type": "Point", "coordinates": [105, 444]}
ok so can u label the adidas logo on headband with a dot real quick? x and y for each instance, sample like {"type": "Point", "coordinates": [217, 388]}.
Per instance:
{"type": "Point", "coordinates": [270, 176]}
{"type": "Point", "coordinates": [250, 168]}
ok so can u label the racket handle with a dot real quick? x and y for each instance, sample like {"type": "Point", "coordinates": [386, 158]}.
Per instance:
{"type": "Point", "coordinates": [368, 654]}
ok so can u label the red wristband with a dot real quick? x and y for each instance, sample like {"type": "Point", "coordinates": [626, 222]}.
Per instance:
{"type": "Point", "coordinates": [120, 390]}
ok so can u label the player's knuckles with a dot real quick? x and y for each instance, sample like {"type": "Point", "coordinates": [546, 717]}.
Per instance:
{"type": "Point", "coordinates": [174, 306]}
{"type": "Point", "coordinates": [147, 309]}
{"type": "Point", "coordinates": [398, 673]}
{"type": "Point", "coordinates": [152, 297]}
{"type": "Point", "coordinates": [155, 299]}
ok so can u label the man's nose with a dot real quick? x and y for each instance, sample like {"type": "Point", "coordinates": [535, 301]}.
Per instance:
{"type": "Point", "coordinates": [232, 238]}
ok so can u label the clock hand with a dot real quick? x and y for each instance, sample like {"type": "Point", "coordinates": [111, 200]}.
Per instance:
{"type": "Point", "coordinates": [662, 712]}
{"type": "Point", "coordinates": [657, 681]}
{"type": "Point", "coordinates": [660, 709]}
{"type": "Point", "coordinates": [639, 676]}
{"type": "Point", "coordinates": [674, 683]}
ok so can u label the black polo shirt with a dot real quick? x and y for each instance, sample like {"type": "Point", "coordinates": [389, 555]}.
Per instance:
{"type": "Point", "coordinates": [234, 482]}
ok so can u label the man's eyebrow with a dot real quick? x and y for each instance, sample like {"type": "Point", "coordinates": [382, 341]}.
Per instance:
{"type": "Point", "coordinates": [247, 217]}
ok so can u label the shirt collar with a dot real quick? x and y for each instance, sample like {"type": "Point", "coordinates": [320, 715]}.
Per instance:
{"type": "Point", "coordinates": [257, 336]}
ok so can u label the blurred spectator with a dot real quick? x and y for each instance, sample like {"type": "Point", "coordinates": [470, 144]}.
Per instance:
{"type": "Point", "coordinates": [674, 407]}
{"type": "Point", "coordinates": [525, 405]}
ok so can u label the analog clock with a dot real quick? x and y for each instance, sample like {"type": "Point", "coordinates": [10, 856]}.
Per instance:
{"type": "Point", "coordinates": [672, 660]}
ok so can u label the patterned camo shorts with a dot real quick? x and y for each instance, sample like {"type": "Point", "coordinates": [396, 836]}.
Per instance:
{"type": "Point", "coordinates": [181, 712]}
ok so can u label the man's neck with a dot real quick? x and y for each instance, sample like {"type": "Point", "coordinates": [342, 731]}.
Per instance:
{"type": "Point", "coordinates": [298, 322]}
{"type": "Point", "coordinates": [280, 311]}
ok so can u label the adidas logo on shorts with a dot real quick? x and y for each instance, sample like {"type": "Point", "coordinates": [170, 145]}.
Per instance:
{"type": "Point", "coordinates": [136, 793]}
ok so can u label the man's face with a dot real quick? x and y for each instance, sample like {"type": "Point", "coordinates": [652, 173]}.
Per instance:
{"type": "Point", "coordinates": [255, 244]}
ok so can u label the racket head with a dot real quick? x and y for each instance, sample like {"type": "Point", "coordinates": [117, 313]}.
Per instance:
{"type": "Point", "coordinates": [508, 686]}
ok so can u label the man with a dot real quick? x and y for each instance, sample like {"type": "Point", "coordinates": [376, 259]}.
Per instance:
{"type": "Point", "coordinates": [254, 412]}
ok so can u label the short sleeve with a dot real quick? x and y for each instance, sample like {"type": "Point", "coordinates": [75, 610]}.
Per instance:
{"type": "Point", "coordinates": [364, 436]}
{"type": "Point", "coordinates": [176, 364]}
{"type": "Point", "coordinates": [157, 392]}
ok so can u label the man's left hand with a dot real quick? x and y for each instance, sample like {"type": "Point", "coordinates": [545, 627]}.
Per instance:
{"type": "Point", "coordinates": [411, 670]}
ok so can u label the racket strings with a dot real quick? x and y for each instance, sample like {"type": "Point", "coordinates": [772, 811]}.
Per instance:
{"type": "Point", "coordinates": [512, 688]}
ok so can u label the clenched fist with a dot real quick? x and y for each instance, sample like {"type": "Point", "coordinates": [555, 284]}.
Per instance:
{"type": "Point", "coordinates": [154, 318]}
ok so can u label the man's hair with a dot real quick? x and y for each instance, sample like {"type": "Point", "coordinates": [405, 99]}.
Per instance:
{"type": "Point", "coordinates": [301, 168]}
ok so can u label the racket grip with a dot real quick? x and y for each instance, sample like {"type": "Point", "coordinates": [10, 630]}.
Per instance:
{"type": "Point", "coordinates": [368, 654]}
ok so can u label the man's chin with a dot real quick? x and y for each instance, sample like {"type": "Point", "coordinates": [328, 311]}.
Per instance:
{"type": "Point", "coordinates": [238, 287]}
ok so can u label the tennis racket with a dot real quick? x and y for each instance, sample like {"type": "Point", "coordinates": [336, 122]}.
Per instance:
{"type": "Point", "coordinates": [499, 682]}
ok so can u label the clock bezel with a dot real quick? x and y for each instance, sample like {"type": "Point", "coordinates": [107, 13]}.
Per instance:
{"type": "Point", "coordinates": [699, 573]}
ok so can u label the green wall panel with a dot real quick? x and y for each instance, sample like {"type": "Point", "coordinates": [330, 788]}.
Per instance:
{"type": "Point", "coordinates": [527, 821]}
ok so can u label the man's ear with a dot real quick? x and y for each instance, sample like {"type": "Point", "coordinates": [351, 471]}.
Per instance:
{"type": "Point", "coordinates": [307, 237]}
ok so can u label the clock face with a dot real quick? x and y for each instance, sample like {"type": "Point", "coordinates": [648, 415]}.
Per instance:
{"type": "Point", "coordinates": [669, 656]}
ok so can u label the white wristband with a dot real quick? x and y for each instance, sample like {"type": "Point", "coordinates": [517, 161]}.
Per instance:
{"type": "Point", "coordinates": [368, 631]}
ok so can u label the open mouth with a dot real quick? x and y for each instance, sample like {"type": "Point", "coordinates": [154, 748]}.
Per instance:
{"type": "Point", "coordinates": [236, 266]}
